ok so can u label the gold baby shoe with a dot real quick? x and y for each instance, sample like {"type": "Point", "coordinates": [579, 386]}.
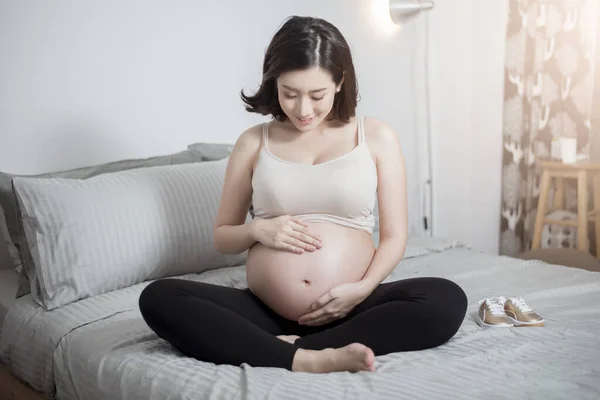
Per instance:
{"type": "Point", "coordinates": [521, 314]}
{"type": "Point", "coordinates": [491, 313]}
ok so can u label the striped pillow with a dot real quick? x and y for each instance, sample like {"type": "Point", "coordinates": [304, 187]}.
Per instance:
{"type": "Point", "coordinates": [111, 231]}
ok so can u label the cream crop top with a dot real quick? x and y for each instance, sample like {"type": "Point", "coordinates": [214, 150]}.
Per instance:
{"type": "Point", "coordinates": [341, 191]}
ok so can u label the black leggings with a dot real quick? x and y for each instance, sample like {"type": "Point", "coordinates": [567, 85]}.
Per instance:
{"type": "Point", "coordinates": [225, 325]}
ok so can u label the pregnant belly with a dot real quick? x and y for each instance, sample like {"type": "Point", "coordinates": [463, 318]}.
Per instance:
{"type": "Point", "coordinates": [290, 283]}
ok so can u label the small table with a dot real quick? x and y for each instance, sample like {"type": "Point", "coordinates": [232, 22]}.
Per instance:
{"type": "Point", "coordinates": [580, 171]}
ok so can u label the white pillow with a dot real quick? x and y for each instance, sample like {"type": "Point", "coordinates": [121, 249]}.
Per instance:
{"type": "Point", "coordinates": [114, 230]}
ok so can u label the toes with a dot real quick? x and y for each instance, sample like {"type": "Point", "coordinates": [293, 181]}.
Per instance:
{"type": "Point", "coordinates": [289, 338]}
{"type": "Point", "coordinates": [370, 360]}
{"type": "Point", "coordinates": [371, 366]}
{"type": "Point", "coordinates": [365, 355]}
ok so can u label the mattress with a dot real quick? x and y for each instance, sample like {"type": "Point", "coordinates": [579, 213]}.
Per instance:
{"type": "Point", "coordinates": [101, 348]}
{"type": "Point", "coordinates": [8, 288]}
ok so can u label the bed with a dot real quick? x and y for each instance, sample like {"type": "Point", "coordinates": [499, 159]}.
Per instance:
{"type": "Point", "coordinates": [100, 348]}
{"type": "Point", "coordinates": [8, 288]}
{"type": "Point", "coordinates": [11, 388]}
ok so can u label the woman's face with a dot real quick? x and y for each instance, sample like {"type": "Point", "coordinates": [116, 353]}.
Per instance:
{"type": "Point", "coordinates": [306, 96]}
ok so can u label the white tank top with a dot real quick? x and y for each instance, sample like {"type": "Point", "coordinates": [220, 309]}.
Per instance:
{"type": "Point", "coordinates": [341, 191]}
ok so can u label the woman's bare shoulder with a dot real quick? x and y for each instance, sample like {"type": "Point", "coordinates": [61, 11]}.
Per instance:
{"type": "Point", "coordinates": [251, 138]}
{"type": "Point", "coordinates": [380, 132]}
{"type": "Point", "coordinates": [246, 149]}
{"type": "Point", "coordinates": [382, 139]}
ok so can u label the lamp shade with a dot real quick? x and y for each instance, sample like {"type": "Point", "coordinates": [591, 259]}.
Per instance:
{"type": "Point", "coordinates": [401, 10]}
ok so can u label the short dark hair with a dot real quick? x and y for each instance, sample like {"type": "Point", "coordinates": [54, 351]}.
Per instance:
{"type": "Point", "coordinates": [302, 43]}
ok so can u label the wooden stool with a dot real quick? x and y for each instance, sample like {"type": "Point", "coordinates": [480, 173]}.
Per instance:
{"type": "Point", "coordinates": [581, 171]}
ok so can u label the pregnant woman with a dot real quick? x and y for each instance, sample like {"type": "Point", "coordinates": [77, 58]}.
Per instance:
{"type": "Point", "coordinates": [315, 300]}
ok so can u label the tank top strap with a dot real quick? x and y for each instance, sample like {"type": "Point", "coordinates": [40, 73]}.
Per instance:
{"type": "Point", "coordinates": [265, 135]}
{"type": "Point", "coordinates": [361, 129]}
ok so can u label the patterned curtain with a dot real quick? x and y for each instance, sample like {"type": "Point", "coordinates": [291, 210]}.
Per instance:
{"type": "Point", "coordinates": [549, 82]}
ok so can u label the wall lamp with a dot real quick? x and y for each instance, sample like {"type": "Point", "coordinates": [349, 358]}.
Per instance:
{"type": "Point", "coordinates": [401, 10]}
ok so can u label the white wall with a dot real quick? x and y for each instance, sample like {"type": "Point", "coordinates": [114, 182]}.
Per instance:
{"type": "Point", "coordinates": [90, 82]}
{"type": "Point", "coordinates": [467, 88]}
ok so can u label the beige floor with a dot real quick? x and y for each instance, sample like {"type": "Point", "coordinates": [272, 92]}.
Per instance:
{"type": "Point", "coordinates": [13, 389]}
{"type": "Point", "coordinates": [569, 257]}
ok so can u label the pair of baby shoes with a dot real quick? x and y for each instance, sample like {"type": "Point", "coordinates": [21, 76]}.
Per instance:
{"type": "Point", "coordinates": [500, 312]}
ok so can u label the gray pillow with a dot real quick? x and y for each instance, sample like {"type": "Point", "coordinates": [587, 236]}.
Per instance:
{"type": "Point", "coordinates": [11, 237]}
{"type": "Point", "coordinates": [92, 236]}
{"type": "Point", "coordinates": [211, 151]}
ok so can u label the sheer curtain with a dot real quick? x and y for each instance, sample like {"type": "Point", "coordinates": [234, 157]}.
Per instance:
{"type": "Point", "coordinates": [551, 49]}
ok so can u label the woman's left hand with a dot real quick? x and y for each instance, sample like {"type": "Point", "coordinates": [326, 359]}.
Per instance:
{"type": "Point", "coordinates": [335, 304]}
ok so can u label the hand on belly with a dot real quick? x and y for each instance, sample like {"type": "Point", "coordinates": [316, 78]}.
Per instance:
{"type": "Point", "coordinates": [290, 283]}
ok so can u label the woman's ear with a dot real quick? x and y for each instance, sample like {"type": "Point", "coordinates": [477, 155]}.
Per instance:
{"type": "Point", "coordinates": [339, 87]}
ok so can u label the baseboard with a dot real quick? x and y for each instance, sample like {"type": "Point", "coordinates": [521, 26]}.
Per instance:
{"type": "Point", "coordinates": [12, 388]}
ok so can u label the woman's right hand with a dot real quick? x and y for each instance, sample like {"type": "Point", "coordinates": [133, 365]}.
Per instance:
{"type": "Point", "coordinates": [286, 233]}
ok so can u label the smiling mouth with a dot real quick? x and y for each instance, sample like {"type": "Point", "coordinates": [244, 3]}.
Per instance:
{"type": "Point", "coordinates": [306, 120]}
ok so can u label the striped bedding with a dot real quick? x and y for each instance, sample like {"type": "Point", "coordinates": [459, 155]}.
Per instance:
{"type": "Point", "coordinates": [90, 236]}
{"type": "Point", "coordinates": [100, 348]}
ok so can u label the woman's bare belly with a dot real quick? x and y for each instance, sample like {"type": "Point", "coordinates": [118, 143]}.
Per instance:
{"type": "Point", "coordinates": [290, 283]}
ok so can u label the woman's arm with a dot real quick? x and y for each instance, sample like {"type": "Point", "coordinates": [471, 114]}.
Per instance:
{"type": "Point", "coordinates": [392, 197]}
{"type": "Point", "coordinates": [231, 234]}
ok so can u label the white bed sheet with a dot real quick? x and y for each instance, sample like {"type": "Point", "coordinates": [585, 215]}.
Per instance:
{"type": "Point", "coordinates": [100, 348]}
{"type": "Point", "coordinates": [8, 289]}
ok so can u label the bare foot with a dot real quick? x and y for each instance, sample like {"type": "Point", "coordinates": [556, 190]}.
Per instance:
{"type": "Point", "coordinates": [353, 358]}
{"type": "Point", "coordinates": [289, 338]}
